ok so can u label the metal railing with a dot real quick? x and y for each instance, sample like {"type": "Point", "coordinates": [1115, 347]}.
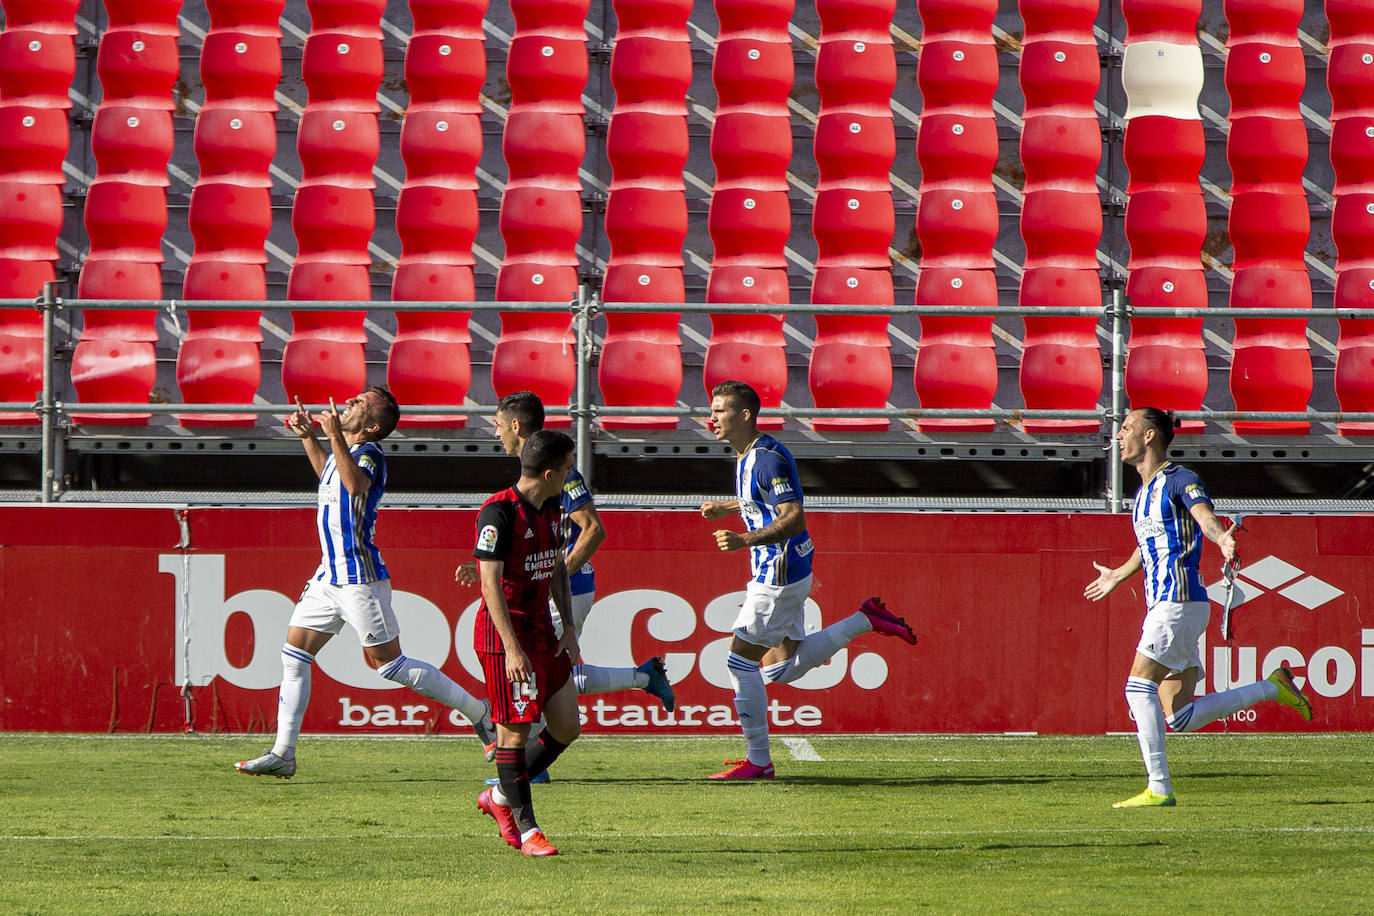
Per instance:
{"type": "Point", "coordinates": [585, 411]}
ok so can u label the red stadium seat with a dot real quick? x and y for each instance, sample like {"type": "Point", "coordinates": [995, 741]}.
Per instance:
{"type": "Point", "coordinates": [957, 228]}
{"type": "Point", "coordinates": [1164, 154]}
{"type": "Point", "coordinates": [339, 147]}
{"type": "Point", "coordinates": [1263, 77]}
{"type": "Point", "coordinates": [230, 222]}
{"type": "Point", "coordinates": [138, 65]}
{"type": "Point", "coordinates": [641, 144]}
{"type": "Point", "coordinates": [1061, 228]}
{"type": "Point", "coordinates": [422, 370]}
{"type": "Point", "coordinates": [1061, 361]}
{"type": "Point", "coordinates": [1269, 153]}
{"type": "Point", "coordinates": [37, 66]}
{"type": "Point", "coordinates": [650, 68]}
{"type": "Point", "coordinates": [430, 282]}
{"type": "Point", "coordinates": [956, 148]}
{"type": "Point", "coordinates": [441, 147]}
{"type": "Point", "coordinates": [851, 363]}
{"type": "Point", "coordinates": [437, 222]}
{"type": "Point", "coordinates": [236, 145]}
{"type": "Point", "coordinates": [749, 228]}
{"type": "Point", "coordinates": [955, 362]}
{"type": "Point", "coordinates": [243, 65]}
{"type": "Point", "coordinates": [853, 228]}
{"type": "Point", "coordinates": [342, 71]}
{"type": "Point", "coordinates": [30, 220]}
{"type": "Point", "coordinates": [212, 370]}
{"type": "Point", "coordinates": [641, 362]}
{"type": "Point", "coordinates": [544, 148]}
{"type": "Point", "coordinates": [317, 368]}
{"type": "Point", "coordinates": [955, 71]}
{"type": "Point", "coordinates": [128, 219]}
{"type": "Point", "coordinates": [855, 151]}
{"type": "Point", "coordinates": [441, 67]}
{"type": "Point", "coordinates": [211, 279]}
{"type": "Point", "coordinates": [747, 143]}
{"type": "Point", "coordinates": [548, 71]}
{"type": "Point", "coordinates": [35, 143]}
{"type": "Point", "coordinates": [335, 220]}
{"type": "Point", "coordinates": [751, 69]}
{"type": "Point", "coordinates": [857, 75]}
{"type": "Point", "coordinates": [21, 337]}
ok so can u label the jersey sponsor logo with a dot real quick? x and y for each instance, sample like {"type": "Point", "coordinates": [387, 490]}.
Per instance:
{"type": "Point", "coordinates": [1195, 491]}
{"type": "Point", "coordinates": [805, 547]}
{"type": "Point", "coordinates": [529, 532]}
{"type": "Point", "coordinates": [1147, 528]}
{"type": "Point", "coordinates": [541, 565]}
{"type": "Point", "coordinates": [486, 538]}
{"type": "Point", "coordinates": [781, 486]}
{"type": "Point", "coordinates": [575, 489]}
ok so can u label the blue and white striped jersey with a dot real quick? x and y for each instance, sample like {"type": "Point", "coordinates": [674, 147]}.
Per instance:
{"type": "Point", "coordinates": [1170, 538]}
{"type": "Point", "coordinates": [576, 495]}
{"type": "Point", "coordinates": [765, 478]}
{"type": "Point", "coordinates": [347, 524]}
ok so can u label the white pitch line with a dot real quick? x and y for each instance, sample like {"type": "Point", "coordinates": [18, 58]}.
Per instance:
{"type": "Point", "coordinates": [801, 749]}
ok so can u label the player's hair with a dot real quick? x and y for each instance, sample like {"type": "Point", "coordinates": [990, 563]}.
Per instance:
{"type": "Point", "coordinates": [1161, 421]}
{"type": "Point", "coordinates": [387, 415]}
{"type": "Point", "coordinates": [543, 451]}
{"type": "Point", "coordinates": [744, 397]}
{"type": "Point", "coordinates": [526, 407]}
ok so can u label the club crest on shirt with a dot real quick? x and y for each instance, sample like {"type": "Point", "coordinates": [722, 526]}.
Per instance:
{"type": "Point", "coordinates": [486, 538]}
{"type": "Point", "coordinates": [520, 704]}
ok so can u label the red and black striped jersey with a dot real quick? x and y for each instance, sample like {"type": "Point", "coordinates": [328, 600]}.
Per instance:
{"type": "Point", "coordinates": [529, 542]}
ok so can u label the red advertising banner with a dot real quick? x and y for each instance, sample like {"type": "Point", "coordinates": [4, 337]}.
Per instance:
{"type": "Point", "coordinates": [151, 619]}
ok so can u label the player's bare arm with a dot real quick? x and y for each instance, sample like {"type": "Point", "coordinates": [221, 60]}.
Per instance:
{"type": "Point", "coordinates": [1108, 578]}
{"type": "Point", "coordinates": [711, 510]}
{"type": "Point", "coordinates": [303, 425]}
{"type": "Point", "coordinates": [518, 669]}
{"type": "Point", "coordinates": [560, 592]}
{"type": "Point", "coordinates": [1215, 531]}
{"type": "Point", "coordinates": [351, 476]}
{"type": "Point", "coordinates": [790, 522]}
{"type": "Point", "coordinates": [589, 539]}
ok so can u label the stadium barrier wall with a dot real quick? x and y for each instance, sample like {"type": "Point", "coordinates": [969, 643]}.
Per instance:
{"type": "Point", "coordinates": [154, 619]}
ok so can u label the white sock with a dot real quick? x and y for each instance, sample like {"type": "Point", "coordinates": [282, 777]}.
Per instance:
{"type": "Point", "coordinates": [1142, 695]}
{"type": "Point", "coordinates": [1210, 707]}
{"type": "Point", "coordinates": [818, 648]}
{"type": "Point", "coordinates": [595, 679]}
{"type": "Point", "coordinates": [429, 681]}
{"type": "Point", "coordinates": [751, 704]}
{"type": "Point", "coordinates": [498, 796]}
{"type": "Point", "coordinates": [292, 700]}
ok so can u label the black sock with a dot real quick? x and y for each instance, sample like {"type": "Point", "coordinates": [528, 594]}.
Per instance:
{"type": "Point", "coordinates": [515, 785]}
{"type": "Point", "coordinates": [542, 752]}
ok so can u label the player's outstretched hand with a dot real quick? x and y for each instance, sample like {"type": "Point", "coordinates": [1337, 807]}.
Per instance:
{"type": "Point", "coordinates": [300, 422]}
{"type": "Point", "coordinates": [1103, 585]}
{"type": "Point", "coordinates": [466, 573]}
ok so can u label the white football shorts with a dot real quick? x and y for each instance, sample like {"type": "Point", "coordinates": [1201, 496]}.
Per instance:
{"type": "Point", "coordinates": [365, 608]}
{"type": "Point", "coordinates": [1171, 633]}
{"type": "Point", "coordinates": [581, 607]}
{"type": "Point", "coordinates": [772, 613]}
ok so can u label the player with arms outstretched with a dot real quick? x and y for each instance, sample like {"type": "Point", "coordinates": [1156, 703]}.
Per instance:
{"type": "Point", "coordinates": [1172, 512]}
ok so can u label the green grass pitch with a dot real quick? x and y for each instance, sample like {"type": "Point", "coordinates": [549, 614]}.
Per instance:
{"type": "Point", "coordinates": [163, 824]}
